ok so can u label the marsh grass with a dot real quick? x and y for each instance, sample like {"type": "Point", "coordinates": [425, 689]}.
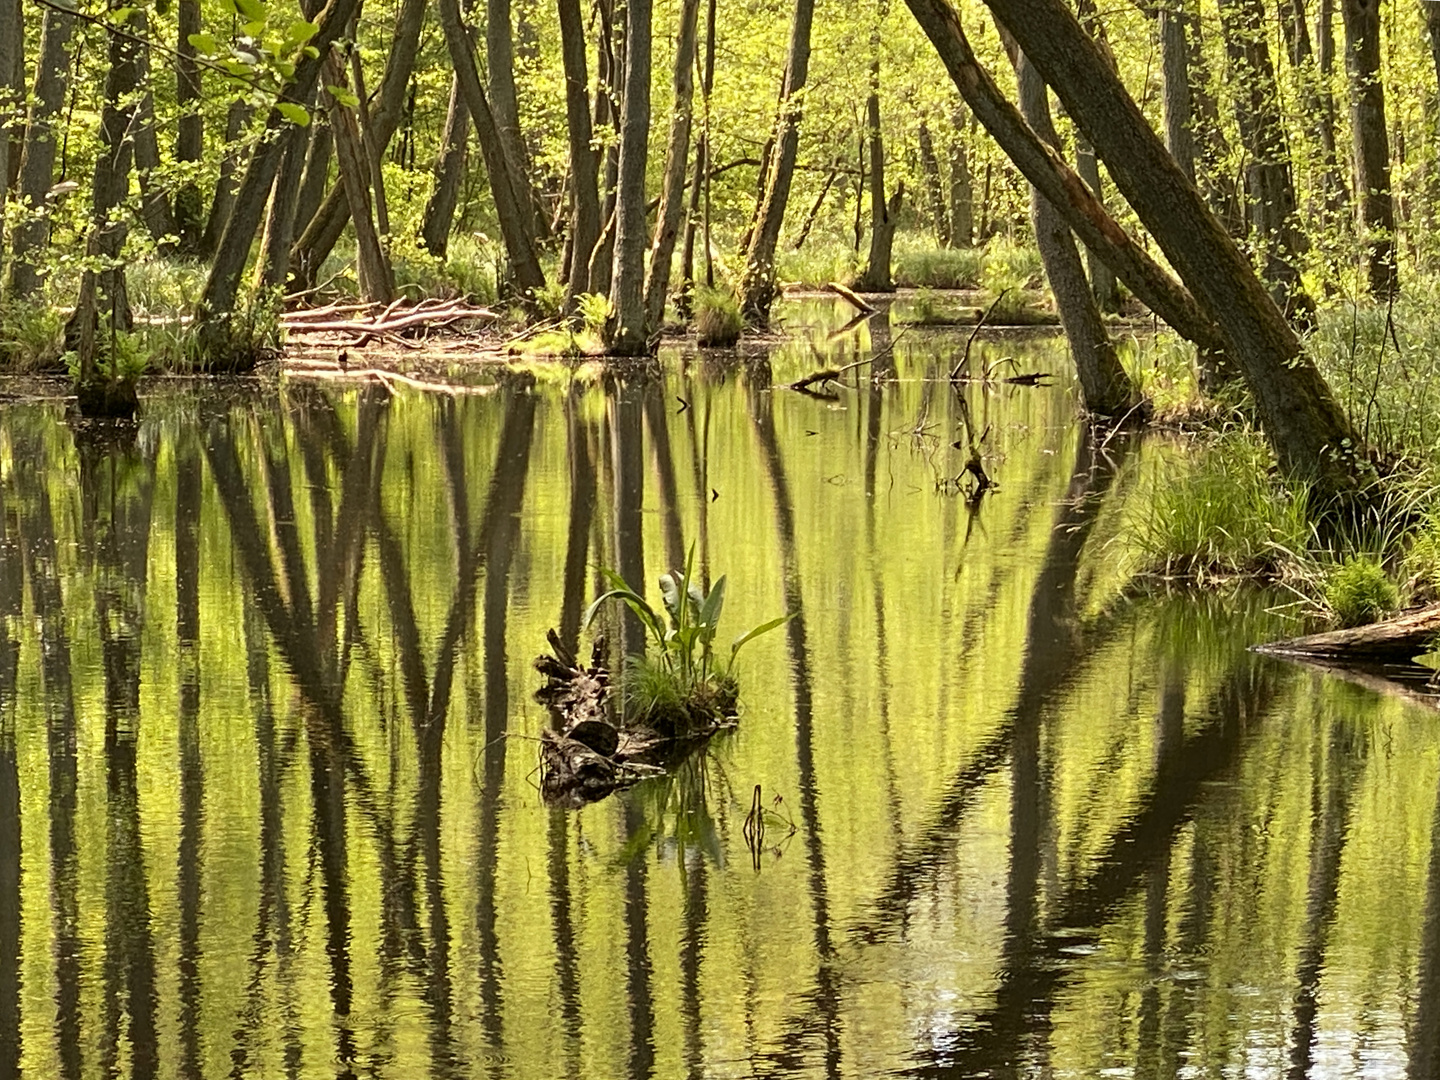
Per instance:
{"type": "Point", "coordinates": [718, 322]}
{"type": "Point", "coordinates": [31, 337]}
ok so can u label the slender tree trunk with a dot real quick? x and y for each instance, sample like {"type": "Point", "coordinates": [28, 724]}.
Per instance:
{"type": "Point", "coordinates": [37, 165]}
{"type": "Point", "coordinates": [1305, 424]}
{"type": "Point", "coordinates": [519, 246]}
{"type": "Point", "coordinates": [625, 333]}
{"type": "Point", "coordinates": [319, 233]}
{"type": "Point", "coordinates": [504, 103]}
{"type": "Point", "coordinates": [672, 194]}
{"type": "Point", "coordinates": [237, 119]}
{"type": "Point", "coordinates": [584, 163]}
{"type": "Point", "coordinates": [1102, 278]}
{"type": "Point", "coordinates": [217, 303]}
{"type": "Point", "coordinates": [757, 286]}
{"type": "Point", "coordinates": [876, 275]}
{"type": "Point", "coordinates": [377, 280]}
{"type": "Point", "coordinates": [12, 93]}
{"type": "Point", "coordinates": [272, 267]}
{"type": "Point", "coordinates": [190, 134]}
{"type": "Point", "coordinates": [155, 209]}
{"type": "Point", "coordinates": [449, 173]}
{"type": "Point", "coordinates": [814, 211]}
{"type": "Point", "coordinates": [607, 113]}
{"type": "Point", "coordinates": [1269, 187]}
{"type": "Point", "coordinates": [934, 193]}
{"type": "Point", "coordinates": [1317, 103]}
{"type": "Point", "coordinates": [1106, 388]}
{"type": "Point", "coordinates": [315, 181]}
{"type": "Point", "coordinates": [1372, 147]}
{"type": "Point", "coordinates": [1175, 73]}
{"type": "Point", "coordinates": [962, 186]}
{"type": "Point", "coordinates": [692, 229]}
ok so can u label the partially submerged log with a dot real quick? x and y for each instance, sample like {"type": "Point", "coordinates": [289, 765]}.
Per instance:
{"type": "Point", "coordinates": [589, 756]}
{"type": "Point", "coordinates": [1406, 636]}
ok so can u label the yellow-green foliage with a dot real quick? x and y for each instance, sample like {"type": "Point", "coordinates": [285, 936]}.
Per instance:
{"type": "Point", "coordinates": [718, 322]}
{"type": "Point", "coordinates": [1358, 591]}
{"type": "Point", "coordinates": [30, 336]}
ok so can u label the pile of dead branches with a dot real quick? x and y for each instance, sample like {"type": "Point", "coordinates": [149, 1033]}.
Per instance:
{"type": "Point", "coordinates": [401, 323]}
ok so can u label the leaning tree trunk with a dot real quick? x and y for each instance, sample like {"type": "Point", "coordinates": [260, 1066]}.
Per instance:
{"type": "Point", "coordinates": [584, 164]}
{"type": "Point", "coordinates": [190, 132]}
{"type": "Point", "coordinates": [672, 195]}
{"type": "Point", "coordinates": [222, 288]}
{"type": "Point", "coordinates": [505, 104]}
{"type": "Point", "coordinates": [1372, 148]}
{"type": "Point", "coordinates": [449, 173]}
{"type": "Point", "coordinates": [227, 186]}
{"type": "Point", "coordinates": [625, 333]}
{"type": "Point", "coordinates": [1304, 423]}
{"type": "Point", "coordinates": [272, 267]}
{"type": "Point", "coordinates": [155, 209]}
{"type": "Point", "coordinates": [519, 246]}
{"type": "Point", "coordinates": [1269, 186]}
{"type": "Point", "coordinates": [37, 164]}
{"type": "Point", "coordinates": [1102, 279]}
{"type": "Point", "coordinates": [876, 275]}
{"type": "Point", "coordinates": [1106, 388]}
{"type": "Point", "coordinates": [1044, 168]}
{"type": "Point", "coordinates": [757, 285]}
{"type": "Point", "coordinates": [377, 279]}
{"type": "Point", "coordinates": [319, 233]}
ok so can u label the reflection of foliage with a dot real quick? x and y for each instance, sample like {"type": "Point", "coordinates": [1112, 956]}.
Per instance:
{"type": "Point", "coordinates": [676, 809]}
{"type": "Point", "coordinates": [762, 818]}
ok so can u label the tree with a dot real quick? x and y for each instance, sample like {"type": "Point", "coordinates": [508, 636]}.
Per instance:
{"type": "Point", "coordinates": [625, 333]}
{"type": "Point", "coordinates": [1372, 147]}
{"type": "Point", "coordinates": [883, 216]}
{"type": "Point", "coordinates": [584, 163]}
{"type": "Point", "coordinates": [677, 154]}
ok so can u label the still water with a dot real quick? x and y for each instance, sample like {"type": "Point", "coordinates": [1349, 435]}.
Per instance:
{"type": "Point", "coordinates": [268, 791]}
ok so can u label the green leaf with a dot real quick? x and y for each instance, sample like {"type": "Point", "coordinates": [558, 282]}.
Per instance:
{"type": "Point", "coordinates": [710, 609]}
{"type": "Point", "coordinates": [763, 628]}
{"type": "Point", "coordinates": [285, 68]}
{"type": "Point", "coordinates": [343, 96]}
{"type": "Point", "coordinates": [296, 114]}
{"type": "Point", "coordinates": [312, 52]}
{"type": "Point", "coordinates": [299, 32]}
{"type": "Point", "coordinates": [252, 10]}
{"type": "Point", "coordinates": [204, 43]}
{"type": "Point", "coordinates": [120, 16]}
{"type": "Point", "coordinates": [253, 29]}
{"type": "Point", "coordinates": [670, 590]}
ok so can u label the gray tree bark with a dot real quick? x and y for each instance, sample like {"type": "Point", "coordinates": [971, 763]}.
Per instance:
{"type": "Point", "coordinates": [876, 275]}
{"type": "Point", "coordinates": [37, 164]}
{"type": "Point", "coordinates": [190, 134]}
{"type": "Point", "coordinates": [449, 172]}
{"type": "Point", "coordinates": [757, 285]}
{"type": "Point", "coordinates": [962, 186]}
{"type": "Point", "coordinates": [155, 209]}
{"type": "Point", "coordinates": [12, 94]}
{"type": "Point", "coordinates": [227, 185]}
{"type": "Point", "coordinates": [505, 104]}
{"type": "Point", "coordinates": [1106, 388]}
{"type": "Point", "coordinates": [1175, 73]}
{"type": "Point", "coordinates": [934, 193]}
{"type": "Point", "coordinates": [584, 163]}
{"type": "Point", "coordinates": [377, 279]}
{"type": "Point", "coordinates": [1372, 147]}
{"type": "Point", "coordinates": [1306, 426]}
{"type": "Point", "coordinates": [677, 155]}
{"type": "Point", "coordinates": [519, 246]}
{"type": "Point", "coordinates": [625, 334]}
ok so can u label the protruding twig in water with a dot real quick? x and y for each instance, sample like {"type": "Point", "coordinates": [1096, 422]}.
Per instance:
{"type": "Point", "coordinates": [833, 374]}
{"type": "Point", "coordinates": [984, 317]}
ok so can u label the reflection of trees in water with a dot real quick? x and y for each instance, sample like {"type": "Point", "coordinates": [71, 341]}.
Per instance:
{"type": "Point", "coordinates": [12, 601]}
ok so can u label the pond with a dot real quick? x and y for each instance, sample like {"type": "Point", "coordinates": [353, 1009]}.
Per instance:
{"type": "Point", "coordinates": [269, 802]}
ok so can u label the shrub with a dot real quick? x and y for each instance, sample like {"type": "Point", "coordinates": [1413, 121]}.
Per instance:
{"type": "Point", "coordinates": [31, 337]}
{"type": "Point", "coordinates": [1358, 591]}
{"type": "Point", "coordinates": [718, 323]}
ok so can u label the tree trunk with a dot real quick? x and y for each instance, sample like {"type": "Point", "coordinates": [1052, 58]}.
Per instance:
{"type": "Point", "coordinates": [272, 266]}
{"type": "Point", "coordinates": [1175, 72]}
{"type": "Point", "coordinates": [962, 186]}
{"type": "Point", "coordinates": [227, 185]}
{"type": "Point", "coordinates": [377, 280]}
{"type": "Point", "coordinates": [37, 164]}
{"type": "Point", "coordinates": [876, 275]}
{"type": "Point", "coordinates": [607, 112]}
{"type": "Point", "coordinates": [1044, 168]}
{"type": "Point", "coordinates": [672, 195]}
{"type": "Point", "coordinates": [1102, 278]}
{"type": "Point", "coordinates": [504, 103]}
{"type": "Point", "coordinates": [315, 181]}
{"type": "Point", "coordinates": [584, 163]}
{"type": "Point", "coordinates": [519, 246]}
{"type": "Point", "coordinates": [12, 94]}
{"type": "Point", "coordinates": [1106, 388]}
{"type": "Point", "coordinates": [155, 208]}
{"type": "Point", "coordinates": [449, 173]}
{"type": "Point", "coordinates": [757, 286]}
{"type": "Point", "coordinates": [934, 194]}
{"type": "Point", "coordinates": [320, 231]}
{"type": "Point", "coordinates": [190, 134]}
{"type": "Point", "coordinates": [1309, 431]}
{"type": "Point", "coordinates": [707, 84]}
{"type": "Point", "coordinates": [1269, 187]}
{"type": "Point", "coordinates": [1317, 103]}
{"type": "Point", "coordinates": [1372, 148]}
{"type": "Point", "coordinates": [217, 302]}
{"type": "Point", "coordinates": [625, 333]}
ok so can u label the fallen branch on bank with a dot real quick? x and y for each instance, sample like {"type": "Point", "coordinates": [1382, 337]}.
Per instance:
{"type": "Point", "coordinates": [861, 304]}
{"type": "Point", "coordinates": [392, 323]}
{"type": "Point", "coordinates": [1406, 636]}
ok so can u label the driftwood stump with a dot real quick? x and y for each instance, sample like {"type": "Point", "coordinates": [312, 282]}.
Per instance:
{"type": "Point", "coordinates": [588, 756]}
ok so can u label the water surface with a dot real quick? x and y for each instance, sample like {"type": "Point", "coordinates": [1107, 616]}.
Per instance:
{"type": "Point", "coordinates": [268, 793]}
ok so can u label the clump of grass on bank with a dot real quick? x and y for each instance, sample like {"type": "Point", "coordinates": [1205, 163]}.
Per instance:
{"type": "Point", "coordinates": [1358, 591]}
{"type": "Point", "coordinates": [31, 337]}
{"type": "Point", "coordinates": [575, 338]}
{"type": "Point", "coordinates": [939, 268]}
{"type": "Point", "coordinates": [718, 322]}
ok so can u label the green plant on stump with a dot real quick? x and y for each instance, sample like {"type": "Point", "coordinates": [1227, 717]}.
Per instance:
{"type": "Point", "coordinates": [681, 688]}
{"type": "Point", "coordinates": [1360, 592]}
{"type": "Point", "coordinates": [109, 388]}
{"type": "Point", "coordinates": [248, 336]}
{"type": "Point", "coordinates": [718, 322]}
